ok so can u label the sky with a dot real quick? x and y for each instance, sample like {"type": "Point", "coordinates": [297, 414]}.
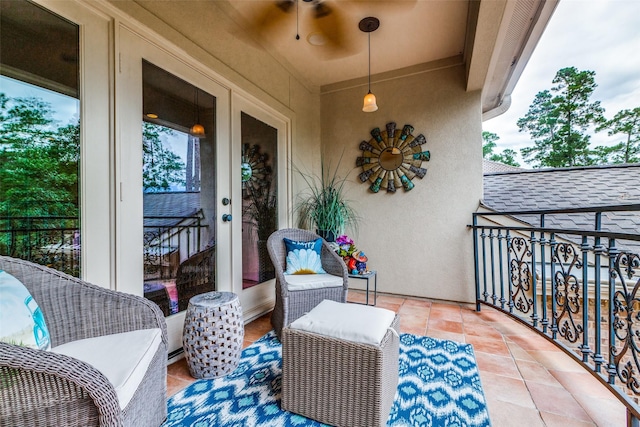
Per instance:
{"type": "Point", "coordinates": [596, 35]}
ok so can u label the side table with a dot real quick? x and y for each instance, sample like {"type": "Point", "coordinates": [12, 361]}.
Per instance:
{"type": "Point", "coordinates": [213, 334]}
{"type": "Point", "coordinates": [367, 276]}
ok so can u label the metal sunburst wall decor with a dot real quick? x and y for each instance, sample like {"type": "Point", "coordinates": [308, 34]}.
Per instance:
{"type": "Point", "coordinates": [255, 172]}
{"type": "Point", "coordinates": [393, 158]}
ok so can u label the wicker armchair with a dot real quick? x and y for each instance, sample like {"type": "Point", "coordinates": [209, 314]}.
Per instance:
{"type": "Point", "coordinates": [196, 275]}
{"type": "Point", "coordinates": [44, 388]}
{"type": "Point", "coordinates": [292, 304]}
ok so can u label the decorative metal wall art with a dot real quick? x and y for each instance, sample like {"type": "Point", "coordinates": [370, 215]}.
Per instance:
{"type": "Point", "coordinates": [255, 172]}
{"type": "Point", "coordinates": [392, 159]}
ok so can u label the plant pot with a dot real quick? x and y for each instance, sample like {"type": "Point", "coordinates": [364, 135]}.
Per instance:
{"type": "Point", "coordinates": [327, 235]}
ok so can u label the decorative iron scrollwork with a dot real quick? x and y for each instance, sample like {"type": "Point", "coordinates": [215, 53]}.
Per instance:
{"type": "Point", "coordinates": [626, 317]}
{"type": "Point", "coordinates": [567, 292]}
{"type": "Point", "coordinates": [520, 274]}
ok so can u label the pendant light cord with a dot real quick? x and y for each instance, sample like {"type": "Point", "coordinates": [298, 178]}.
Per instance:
{"type": "Point", "coordinates": [369, 34]}
{"type": "Point", "coordinates": [297, 20]}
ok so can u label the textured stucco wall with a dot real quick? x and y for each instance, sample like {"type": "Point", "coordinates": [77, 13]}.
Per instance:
{"type": "Point", "coordinates": [417, 240]}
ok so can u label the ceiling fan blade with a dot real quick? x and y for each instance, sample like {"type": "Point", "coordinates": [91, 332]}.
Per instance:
{"type": "Point", "coordinates": [333, 28]}
{"type": "Point", "coordinates": [268, 16]}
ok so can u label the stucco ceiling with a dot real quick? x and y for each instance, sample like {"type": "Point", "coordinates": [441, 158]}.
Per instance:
{"type": "Point", "coordinates": [411, 32]}
{"type": "Point", "coordinates": [492, 38]}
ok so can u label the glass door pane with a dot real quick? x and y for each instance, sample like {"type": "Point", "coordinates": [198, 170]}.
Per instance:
{"type": "Point", "coordinates": [39, 137]}
{"type": "Point", "coordinates": [259, 198]}
{"type": "Point", "coordinates": [179, 189]}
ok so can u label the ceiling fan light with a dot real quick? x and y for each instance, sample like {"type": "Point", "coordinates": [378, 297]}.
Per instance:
{"type": "Point", "coordinates": [369, 103]}
{"type": "Point", "coordinates": [316, 39]}
{"type": "Point", "coordinates": [197, 130]}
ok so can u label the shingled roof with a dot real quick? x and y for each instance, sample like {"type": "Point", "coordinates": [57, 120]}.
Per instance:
{"type": "Point", "coordinates": [166, 209]}
{"type": "Point", "coordinates": [563, 188]}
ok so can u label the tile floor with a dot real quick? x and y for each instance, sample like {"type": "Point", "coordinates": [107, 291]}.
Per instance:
{"type": "Point", "coordinates": [527, 381]}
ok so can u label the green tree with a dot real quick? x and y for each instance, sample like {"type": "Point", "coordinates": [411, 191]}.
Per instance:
{"type": "Point", "coordinates": [39, 173]}
{"type": "Point", "coordinates": [627, 123]}
{"type": "Point", "coordinates": [489, 140]}
{"type": "Point", "coordinates": [507, 157]}
{"type": "Point", "coordinates": [161, 166]}
{"type": "Point", "coordinates": [558, 119]}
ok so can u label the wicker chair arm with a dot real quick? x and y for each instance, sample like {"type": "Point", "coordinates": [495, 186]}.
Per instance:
{"type": "Point", "coordinates": [32, 381]}
{"type": "Point", "coordinates": [333, 264]}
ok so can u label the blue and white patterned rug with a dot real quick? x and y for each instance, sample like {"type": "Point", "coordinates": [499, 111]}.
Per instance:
{"type": "Point", "coordinates": [439, 385]}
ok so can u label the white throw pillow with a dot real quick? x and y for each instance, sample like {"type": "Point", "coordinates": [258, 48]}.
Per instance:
{"type": "Point", "coordinates": [21, 320]}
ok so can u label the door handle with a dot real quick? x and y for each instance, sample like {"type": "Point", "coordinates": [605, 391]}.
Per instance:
{"type": "Point", "coordinates": [226, 218]}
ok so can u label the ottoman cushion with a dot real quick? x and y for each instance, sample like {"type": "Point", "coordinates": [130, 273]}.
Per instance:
{"type": "Point", "coordinates": [350, 322]}
{"type": "Point", "coordinates": [339, 381]}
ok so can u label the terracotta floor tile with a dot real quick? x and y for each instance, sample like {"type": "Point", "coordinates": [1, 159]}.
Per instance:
{"type": "Point", "coordinates": [504, 414]}
{"type": "Point", "coordinates": [491, 346]}
{"type": "Point", "coordinates": [179, 370]}
{"type": "Point", "coordinates": [527, 381]}
{"type": "Point", "coordinates": [604, 412]}
{"type": "Point", "coordinates": [556, 360]}
{"type": "Point", "coordinates": [481, 330]}
{"type": "Point", "coordinates": [174, 385]}
{"type": "Point", "coordinates": [534, 371]}
{"type": "Point", "coordinates": [555, 420]}
{"type": "Point", "coordinates": [517, 352]}
{"type": "Point", "coordinates": [499, 365]}
{"type": "Point", "coordinates": [505, 389]}
{"type": "Point", "coordinates": [582, 382]}
{"type": "Point", "coordinates": [418, 303]}
{"type": "Point", "coordinates": [444, 325]}
{"type": "Point", "coordinates": [442, 335]}
{"type": "Point", "coordinates": [556, 400]}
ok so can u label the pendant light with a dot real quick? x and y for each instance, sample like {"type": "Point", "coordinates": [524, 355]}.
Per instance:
{"type": "Point", "coordinates": [367, 25]}
{"type": "Point", "coordinates": [197, 129]}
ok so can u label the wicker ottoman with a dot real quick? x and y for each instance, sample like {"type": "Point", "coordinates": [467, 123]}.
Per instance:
{"type": "Point", "coordinates": [213, 334]}
{"type": "Point", "coordinates": [329, 377]}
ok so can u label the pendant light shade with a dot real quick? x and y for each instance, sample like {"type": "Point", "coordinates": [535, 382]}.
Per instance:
{"type": "Point", "coordinates": [369, 103]}
{"type": "Point", "coordinates": [367, 25]}
{"type": "Point", "coordinates": [197, 129]}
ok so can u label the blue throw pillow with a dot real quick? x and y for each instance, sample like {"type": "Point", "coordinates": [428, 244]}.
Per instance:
{"type": "Point", "coordinates": [21, 320]}
{"type": "Point", "coordinates": [303, 257]}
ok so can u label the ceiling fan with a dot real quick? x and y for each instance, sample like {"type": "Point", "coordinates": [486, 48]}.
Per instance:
{"type": "Point", "coordinates": [331, 26]}
{"type": "Point", "coordinates": [325, 28]}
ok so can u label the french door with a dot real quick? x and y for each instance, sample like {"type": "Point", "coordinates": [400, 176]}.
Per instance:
{"type": "Point", "coordinates": [199, 186]}
{"type": "Point", "coordinates": [174, 207]}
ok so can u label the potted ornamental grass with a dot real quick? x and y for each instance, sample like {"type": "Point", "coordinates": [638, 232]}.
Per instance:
{"type": "Point", "coordinates": [323, 205]}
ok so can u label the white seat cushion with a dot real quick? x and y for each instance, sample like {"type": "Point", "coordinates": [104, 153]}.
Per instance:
{"type": "Point", "coordinates": [350, 322]}
{"type": "Point", "coordinates": [303, 282]}
{"type": "Point", "coordinates": [123, 358]}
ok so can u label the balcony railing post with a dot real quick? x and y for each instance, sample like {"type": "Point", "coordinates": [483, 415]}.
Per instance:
{"type": "Point", "coordinates": [500, 256]}
{"type": "Point", "coordinates": [584, 348]}
{"type": "Point", "coordinates": [554, 257]}
{"type": "Point", "coordinates": [509, 276]}
{"type": "Point", "coordinates": [613, 254]}
{"type": "Point", "coordinates": [483, 236]}
{"type": "Point", "coordinates": [598, 249]}
{"type": "Point", "coordinates": [476, 261]}
{"type": "Point", "coordinates": [543, 261]}
{"type": "Point", "coordinates": [494, 297]}
{"type": "Point", "coordinates": [534, 280]}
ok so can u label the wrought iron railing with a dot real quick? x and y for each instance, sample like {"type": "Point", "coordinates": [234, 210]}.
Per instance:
{"type": "Point", "coordinates": [55, 242]}
{"type": "Point", "coordinates": [167, 241]}
{"type": "Point", "coordinates": [49, 240]}
{"type": "Point", "coordinates": [578, 287]}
